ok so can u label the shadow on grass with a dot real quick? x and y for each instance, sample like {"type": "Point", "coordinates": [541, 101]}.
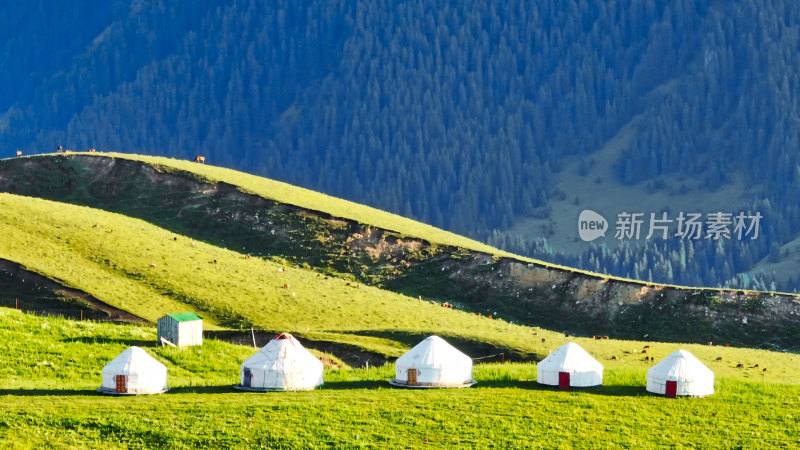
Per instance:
{"type": "Point", "coordinates": [102, 340]}
{"type": "Point", "coordinates": [358, 384]}
{"type": "Point", "coordinates": [611, 391]}
{"type": "Point", "coordinates": [48, 392]}
{"type": "Point", "coordinates": [220, 389]}
{"type": "Point", "coordinates": [619, 390]}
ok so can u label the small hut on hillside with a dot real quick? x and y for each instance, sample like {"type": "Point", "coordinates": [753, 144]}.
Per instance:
{"type": "Point", "coordinates": [182, 329]}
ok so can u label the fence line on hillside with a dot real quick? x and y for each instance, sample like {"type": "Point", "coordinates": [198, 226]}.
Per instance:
{"type": "Point", "coordinates": [38, 310]}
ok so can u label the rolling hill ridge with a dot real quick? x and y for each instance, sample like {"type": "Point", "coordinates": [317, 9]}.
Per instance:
{"type": "Point", "coordinates": [293, 227]}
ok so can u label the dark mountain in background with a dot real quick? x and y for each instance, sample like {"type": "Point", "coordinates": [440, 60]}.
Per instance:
{"type": "Point", "coordinates": [498, 121]}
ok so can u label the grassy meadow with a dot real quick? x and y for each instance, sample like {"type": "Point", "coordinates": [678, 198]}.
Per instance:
{"type": "Point", "coordinates": [52, 366]}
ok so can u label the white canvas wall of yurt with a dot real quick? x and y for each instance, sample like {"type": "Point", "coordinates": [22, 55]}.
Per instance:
{"type": "Point", "coordinates": [680, 374]}
{"type": "Point", "coordinates": [433, 363]}
{"type": "Point", "coordinates": [281, 365]}
{"type": "Point", "coordinates": [134, 372]}
{"type": "Point", "coordinates": [569, 366]}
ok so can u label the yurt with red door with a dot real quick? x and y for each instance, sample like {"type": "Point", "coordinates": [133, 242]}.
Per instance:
{"type": "Point", "coordinates": [281, 365]}
{"type": "Point", "coordinates": [569, 366]}
{"type": "Point", "coordinates": [680, 374]}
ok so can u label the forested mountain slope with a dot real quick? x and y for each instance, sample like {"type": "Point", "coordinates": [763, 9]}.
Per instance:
{"type": "Point", "coordinates": [461, 115]}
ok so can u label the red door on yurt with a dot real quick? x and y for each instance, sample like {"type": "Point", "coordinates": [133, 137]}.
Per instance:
{"type": "Point", "coordinates": [563, 380]}
{"type": "Point", "coordinates": [672, 389]}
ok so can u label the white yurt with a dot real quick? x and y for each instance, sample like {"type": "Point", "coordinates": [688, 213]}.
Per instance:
{"type": "Point", "coordinates": [680, 373]}
{"type": "Point", "coordinates": [433, 363]}
{"type": "Point", "coordinates": [134, 372]}
{"type": "Point", "coordinates": [569, 366]}
{"type": "Point", "coordinates": [282, 365]}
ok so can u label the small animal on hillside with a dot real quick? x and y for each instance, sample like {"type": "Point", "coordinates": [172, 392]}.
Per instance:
{"type": "Point", "coordinates": [719, 358]}
{"type": "Point", "coordinates": [765, 369]}
{"type": "Point", "coordinates": [614, 357]}
{"type": "Point", "coordinates": [740, 365]}
{"type": "Point", "coordinates": [644, 351]}
{"type": "Point", "coordinates": [247, 256]}
{"type": "Point", "coordinates": [287, 286]}
{"type": "Point", "coordinates": [710, 343]}
{"type": "Point", "coordinates": [200, 159]}
{"type": "Point", "coordinates": [60, 149]}
{"type": "Point", "coordinates": [605, 337]}
{"type": "Point", "coordinates": [19, 153]}
{"type": "Point", "coordinates": [91, 150]}
{"type": "Point", "coordinates": [544, 340]}
{"type": "Point", "coordinates": [646, 346]}
{"type": "Point", "coordinates": [755, 367]}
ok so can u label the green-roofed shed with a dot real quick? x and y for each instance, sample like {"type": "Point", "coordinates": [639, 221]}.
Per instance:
{"type": "Point", "coordinates": [181, 329]}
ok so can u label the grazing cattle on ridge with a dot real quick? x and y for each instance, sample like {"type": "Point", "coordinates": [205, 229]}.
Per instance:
{"type": "Point", "coordinates": [200, 159]}
{"type": "Point", "coordinates": [19, 153]}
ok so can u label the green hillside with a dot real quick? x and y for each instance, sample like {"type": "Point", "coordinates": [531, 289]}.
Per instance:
{"type": "Point", "coordinates": [59, 177]}
{"type": "Point", "coordinates": [291, 227]}
{"type": "Point", "coordinates": [305, 198]}
{"type": "Point", "coordinates": [47, 391]}
{"type": "Point", "coordinates": [150, 272]}
{"type": "Point", "coordinates": [152, 267]}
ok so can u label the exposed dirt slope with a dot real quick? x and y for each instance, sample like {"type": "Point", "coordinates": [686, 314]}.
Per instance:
{"type": "Point", "coordinates": [516, 290]}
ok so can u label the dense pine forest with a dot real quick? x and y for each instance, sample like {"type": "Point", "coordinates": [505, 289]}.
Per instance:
{"type": "Point", "coordinates": [463, 115]}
